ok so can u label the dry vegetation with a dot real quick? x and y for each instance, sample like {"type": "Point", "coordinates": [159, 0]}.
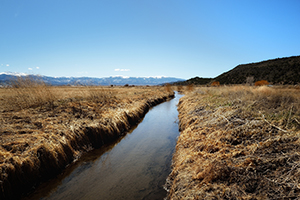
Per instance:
{"type": "Point", "coordinates": [237, 143]}
{"type": "Point", "coordinates": [43, 128]}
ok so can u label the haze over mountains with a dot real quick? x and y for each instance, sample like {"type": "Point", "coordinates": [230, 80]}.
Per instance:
{"type": "Point", "coordinates": [6, 77]}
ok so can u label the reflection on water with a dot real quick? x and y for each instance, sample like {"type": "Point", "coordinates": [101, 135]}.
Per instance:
{"type": "Point", "coordinates": [135, 167]}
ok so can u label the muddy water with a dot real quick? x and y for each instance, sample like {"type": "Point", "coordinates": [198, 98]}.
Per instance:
{"type": "Point", "coordinates": [135, 167]}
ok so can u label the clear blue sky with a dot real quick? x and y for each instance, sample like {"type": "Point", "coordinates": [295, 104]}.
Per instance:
{"type": "Point", "coordinates": [184, 39]}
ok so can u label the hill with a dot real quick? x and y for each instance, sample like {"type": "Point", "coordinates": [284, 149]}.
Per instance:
{"type": "Point", "coordinates": [276, 71]}
{"type": "Point", "coordinates": [195, 81]}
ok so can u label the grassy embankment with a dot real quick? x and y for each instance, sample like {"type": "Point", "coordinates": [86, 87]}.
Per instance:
{"type": "Point", "coordinates": [237, 143]}
{"type": "Point", "coordinates": [43, 128]}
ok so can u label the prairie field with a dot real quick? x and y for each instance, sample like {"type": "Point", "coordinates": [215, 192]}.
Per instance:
{"type": "Point", "coordinates": [45, 128]}
{"type": "Point", "coordinates": [237, 142]}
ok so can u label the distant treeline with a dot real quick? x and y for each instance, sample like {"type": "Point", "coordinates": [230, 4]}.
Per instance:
{"type": "Point", "coordinates": [195, 81]}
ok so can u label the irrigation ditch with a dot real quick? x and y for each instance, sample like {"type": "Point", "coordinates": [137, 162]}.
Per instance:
{"type": "Point", "coordinates": [22, 176]}
{"type": "Point", "coordinates": [134, 167]}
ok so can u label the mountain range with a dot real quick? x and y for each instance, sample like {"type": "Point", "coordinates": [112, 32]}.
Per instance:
{"type": "Point", "coordinates": [6, 77]}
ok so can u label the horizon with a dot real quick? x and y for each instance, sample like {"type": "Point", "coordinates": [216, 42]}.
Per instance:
{"type": "Point", "coordinates": [125, 77]}
{"type": "Point", "coordinates": [24, 74]}
{"type": "Point", "coordinates": [144, 39]}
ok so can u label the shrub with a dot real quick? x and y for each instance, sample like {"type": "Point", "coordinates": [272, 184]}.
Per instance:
{"type": "Point", "coordinates": [250, 80]}
{"type": "Point", "coordinates": [179, 88]}
{"type": "Point", "coordinates": [168, 87]}
{"type": "Point", "coordinates": [215, 83]}
{"type": "Point", "coordinates": [262, 82]}
{"type": "Point", "coordinates": [190, 87]}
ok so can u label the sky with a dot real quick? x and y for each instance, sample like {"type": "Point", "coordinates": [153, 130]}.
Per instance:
{"type": "Point", "coordinates": [141, 38]}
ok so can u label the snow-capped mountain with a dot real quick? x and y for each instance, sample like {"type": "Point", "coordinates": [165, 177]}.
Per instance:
{"type": "Point", "coordinates": [5, 77]}
{"type": "Point", "coordinates": [12, 74]}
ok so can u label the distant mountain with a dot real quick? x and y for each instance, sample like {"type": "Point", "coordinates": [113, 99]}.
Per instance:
{"type": "Point", "coordinates": [6, 77]}
{"type": "Point", "coordinates": [276, 71]}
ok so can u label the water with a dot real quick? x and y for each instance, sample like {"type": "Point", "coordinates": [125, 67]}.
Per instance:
{"type": "Point", "coordinates": [135, 167]}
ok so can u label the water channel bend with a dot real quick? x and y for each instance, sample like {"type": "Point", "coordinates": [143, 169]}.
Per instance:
{"type": "Point", "coordinates": [135, 167]}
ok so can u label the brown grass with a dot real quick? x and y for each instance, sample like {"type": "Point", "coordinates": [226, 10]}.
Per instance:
{"type": "Point", "coordinates": [190, 87]}
{"type": "Point", "coordinates": [46, 128]}
{"type": "Point", "coordinates": [215, 83]}
{"type": "Point", "coordinates": [261, 83]}
{"type": "Point", "coordinates": [26, 93]}
{"type": "Point", "coordinates": [237, 143]}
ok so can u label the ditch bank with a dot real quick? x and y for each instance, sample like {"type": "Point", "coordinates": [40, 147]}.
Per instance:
{"type": "Point", "coordinates": [49, 154]}
{"type": "Point", "coordinates": [230, 148]}
{"type": "Point", "coordinates": [134, 167]}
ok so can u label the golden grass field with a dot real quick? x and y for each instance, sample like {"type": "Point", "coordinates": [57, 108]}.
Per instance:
{"type": "Point", "coordinates": [44, 128]}
{"type": "Point", "coordinates": [237, 142]}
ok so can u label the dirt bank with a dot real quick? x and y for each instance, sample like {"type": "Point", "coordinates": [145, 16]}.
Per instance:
{"type": "Point", "coordinates": [237, 143]}
{"type": "Point", "coordinates": [38, 141]}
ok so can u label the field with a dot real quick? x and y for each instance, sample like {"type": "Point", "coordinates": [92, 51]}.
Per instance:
{"type": "Point", "coordinates": [237, 142]}
{"type": "Point", "coordinates": [44, 128]}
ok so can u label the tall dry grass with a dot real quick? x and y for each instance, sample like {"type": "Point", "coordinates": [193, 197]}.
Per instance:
{"type": "Point", "coordinates": [26, 92]}
{"type": "Point", "coordinates": [281, 105]}
{"type": "Point", "coordinates": [40, 136]}
{"type": "Point", "coordinates": [237, 143]}
{"type": "Point", "coordinates": [168, 87]}
{"type": "Point", "coordinates": [190, 87]}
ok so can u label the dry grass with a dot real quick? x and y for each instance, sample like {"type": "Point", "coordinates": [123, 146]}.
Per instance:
{"type": "Point", "coordinates": [237, 143]}
{"type": "Point", "coordinates": [46, 128]}
{"type": "Point", "coordinates": [26, 93]}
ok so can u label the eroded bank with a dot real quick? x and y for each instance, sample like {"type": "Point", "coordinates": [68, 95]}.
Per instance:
{"type": "Point", "coordinates": [38, 143]}
{"type": "Point", "coordinates": [135, 167]}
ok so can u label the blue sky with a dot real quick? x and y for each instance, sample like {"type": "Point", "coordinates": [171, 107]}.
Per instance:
{"type": "Point", "coordinates": [184, 39]}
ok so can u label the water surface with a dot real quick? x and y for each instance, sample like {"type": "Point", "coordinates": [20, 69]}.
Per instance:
{"type": "Point", "coordinates": [135, 167]}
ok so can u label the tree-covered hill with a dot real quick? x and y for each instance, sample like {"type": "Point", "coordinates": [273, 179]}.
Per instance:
{"type": "Point", "coordinates": [195, 81]}
{"type": "Point", "coordinates": [275, 71]}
